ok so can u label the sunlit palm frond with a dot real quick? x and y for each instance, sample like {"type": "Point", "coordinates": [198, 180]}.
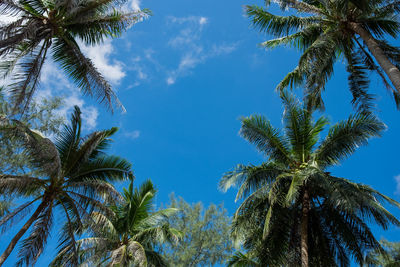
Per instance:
{"type": "Point", "coordinates": [250, 177]}
{"type": "Point", "coordinates": [345, 137]}
{"type": "Point", "coordinates": [277, 25]}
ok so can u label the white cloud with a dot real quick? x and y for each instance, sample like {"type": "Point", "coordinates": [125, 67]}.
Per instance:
{"type": "Point", "coordinates": [186, 42]}
{"type": "Point", "coordinates": [397, 179]}
{"type": "Point", "coordinates": [218, 50]}
{"type": "Point", "coordinates": [194, 50]}
{"type": "Point", "coordinates": [89, 116]}
{"type": "Point", "coordinates": [133, 134]}
{"type": "Point", "coordinates": [140, 72]}
{"type": "Point", "coordinates": [135, 5]}
{"type": "Point", "coordinates": [89, 113]}
{"type": "Point", "coordinates": [136, 66]}
{"type": "Point", "coordinates": [189, 19]}
{"type": "Point", "coordinates": [203, 20]}
{"type": "Point", "coordinates": [100, 55]}
{"type": "Point", "coordinates": [170, 80]}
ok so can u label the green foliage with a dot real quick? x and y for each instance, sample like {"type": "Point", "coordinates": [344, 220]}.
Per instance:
{"type": "Point", "coordinates": [42, 117]}
{"type": "Point", "coordinates": [127, 234]}
{"type": "Point", "coordinates": [205, 235]}
{"type": "Point", "coordinates": [267, 222]}
{"type": "Point", "coordinates": [73, 179]}
{"type": "Point", "coordinates": [53, 27]}
{"type": "Point", "coordinates": [390, 259]}
{"type": "Point", "coordinates": [323, 31]}
{"type": "Point", "coordinates": [242, 260]}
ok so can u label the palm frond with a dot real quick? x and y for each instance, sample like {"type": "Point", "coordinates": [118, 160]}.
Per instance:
{"type": "Point", "coordinates": [93, 191]}
{"type": "Point", "coordinates": [32, 247]}
{"type": "Point", "coordinates": [26, 81]}
{"type": "Point", "coordinates": [277, 25]}
{"type": "Point", "coordinates": [358, 82]}
{"type": "Point", "coordinates": [100, 27]}
{"type": "Point", "coordinates": [259, 131]}
{"type": "Point", "coordinates": [10, 7]}
{"type": "Point", "coordinates": [242, 260]}
{"type": "Point", "coordinates": [249, 178]}
{"type": "Point", "coordinates": [11, 218]}
{"type": "Point", "coordinates": [293, 79]}
{"type": "Point", "coordinates": [346, 136]}
{"type": "Point", "coordinates": [20, 185]}
{"type": "Point", "coordinates": [81, 69]}
{"type": "Point", "coordinates": [300, 40]}
{"type": "Point", "coordinates": [70, 138]}
{"type": "Point", "coordinates": [300, 6]}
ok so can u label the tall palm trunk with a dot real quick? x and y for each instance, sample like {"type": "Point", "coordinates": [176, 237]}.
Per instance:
{"type": "Point", "coordinates": [373, 46]}
{"type": "Point", "coordinates": [21, 232]}
{"type": "Point", "coordinates": [304, 228]}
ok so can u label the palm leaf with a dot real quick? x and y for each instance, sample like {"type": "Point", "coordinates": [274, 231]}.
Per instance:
{"type": "Point", "coordinates": [81, 69]}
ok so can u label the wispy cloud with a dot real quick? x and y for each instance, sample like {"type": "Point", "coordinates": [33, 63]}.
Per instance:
{"type": "Point", "coordinates": [132, 135]}
{"type": "Point", "coordinates": [182, 47]}
{"type": "Point", "coordinates": [137, 66]}
{"type": "Point", "coordinates": [189, 19]}
{"type": "Point", "coordinates": [397, 179]}
{"type": "Point", "coordinates": [194, 50]}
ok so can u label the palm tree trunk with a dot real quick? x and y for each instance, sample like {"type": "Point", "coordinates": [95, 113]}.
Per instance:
{"type": "Point", "coordinates": [390, 69]}
{"type": "Point", "coordinates": [304, 228]}
{"type": "Point", "coordinates": [21, 232]}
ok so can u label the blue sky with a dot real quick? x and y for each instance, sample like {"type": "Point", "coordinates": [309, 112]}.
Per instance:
{"type": "Point", "coordinates": [186, 75]}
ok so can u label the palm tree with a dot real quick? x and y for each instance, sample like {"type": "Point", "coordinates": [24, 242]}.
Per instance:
{"type": "Point", "coordinates": [307, 215]}
{"type": "Point", "coordinates": [42, 26]}
{"type": "Point", "coordinates": [129, 235]}
{"type": "Point", "coordinates": [330, 30]}
{"type": "Point", "coordinates": [75, 180]}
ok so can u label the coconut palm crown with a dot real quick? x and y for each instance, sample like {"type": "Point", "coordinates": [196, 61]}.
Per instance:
{"type": "Point", "coordinates": [74, 181]}
{"type": "Point", "coordinates": [43, 27]}
{"type": "Point", "coordinates": [294, 211]}
{"type": "Point", "coordinates": [328, 31]}
{"type": "Point", "coordinates": [129, 235]}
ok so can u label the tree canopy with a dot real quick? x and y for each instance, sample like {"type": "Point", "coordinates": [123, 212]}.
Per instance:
{"type": "Point", "coordinates": [205, 234]}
